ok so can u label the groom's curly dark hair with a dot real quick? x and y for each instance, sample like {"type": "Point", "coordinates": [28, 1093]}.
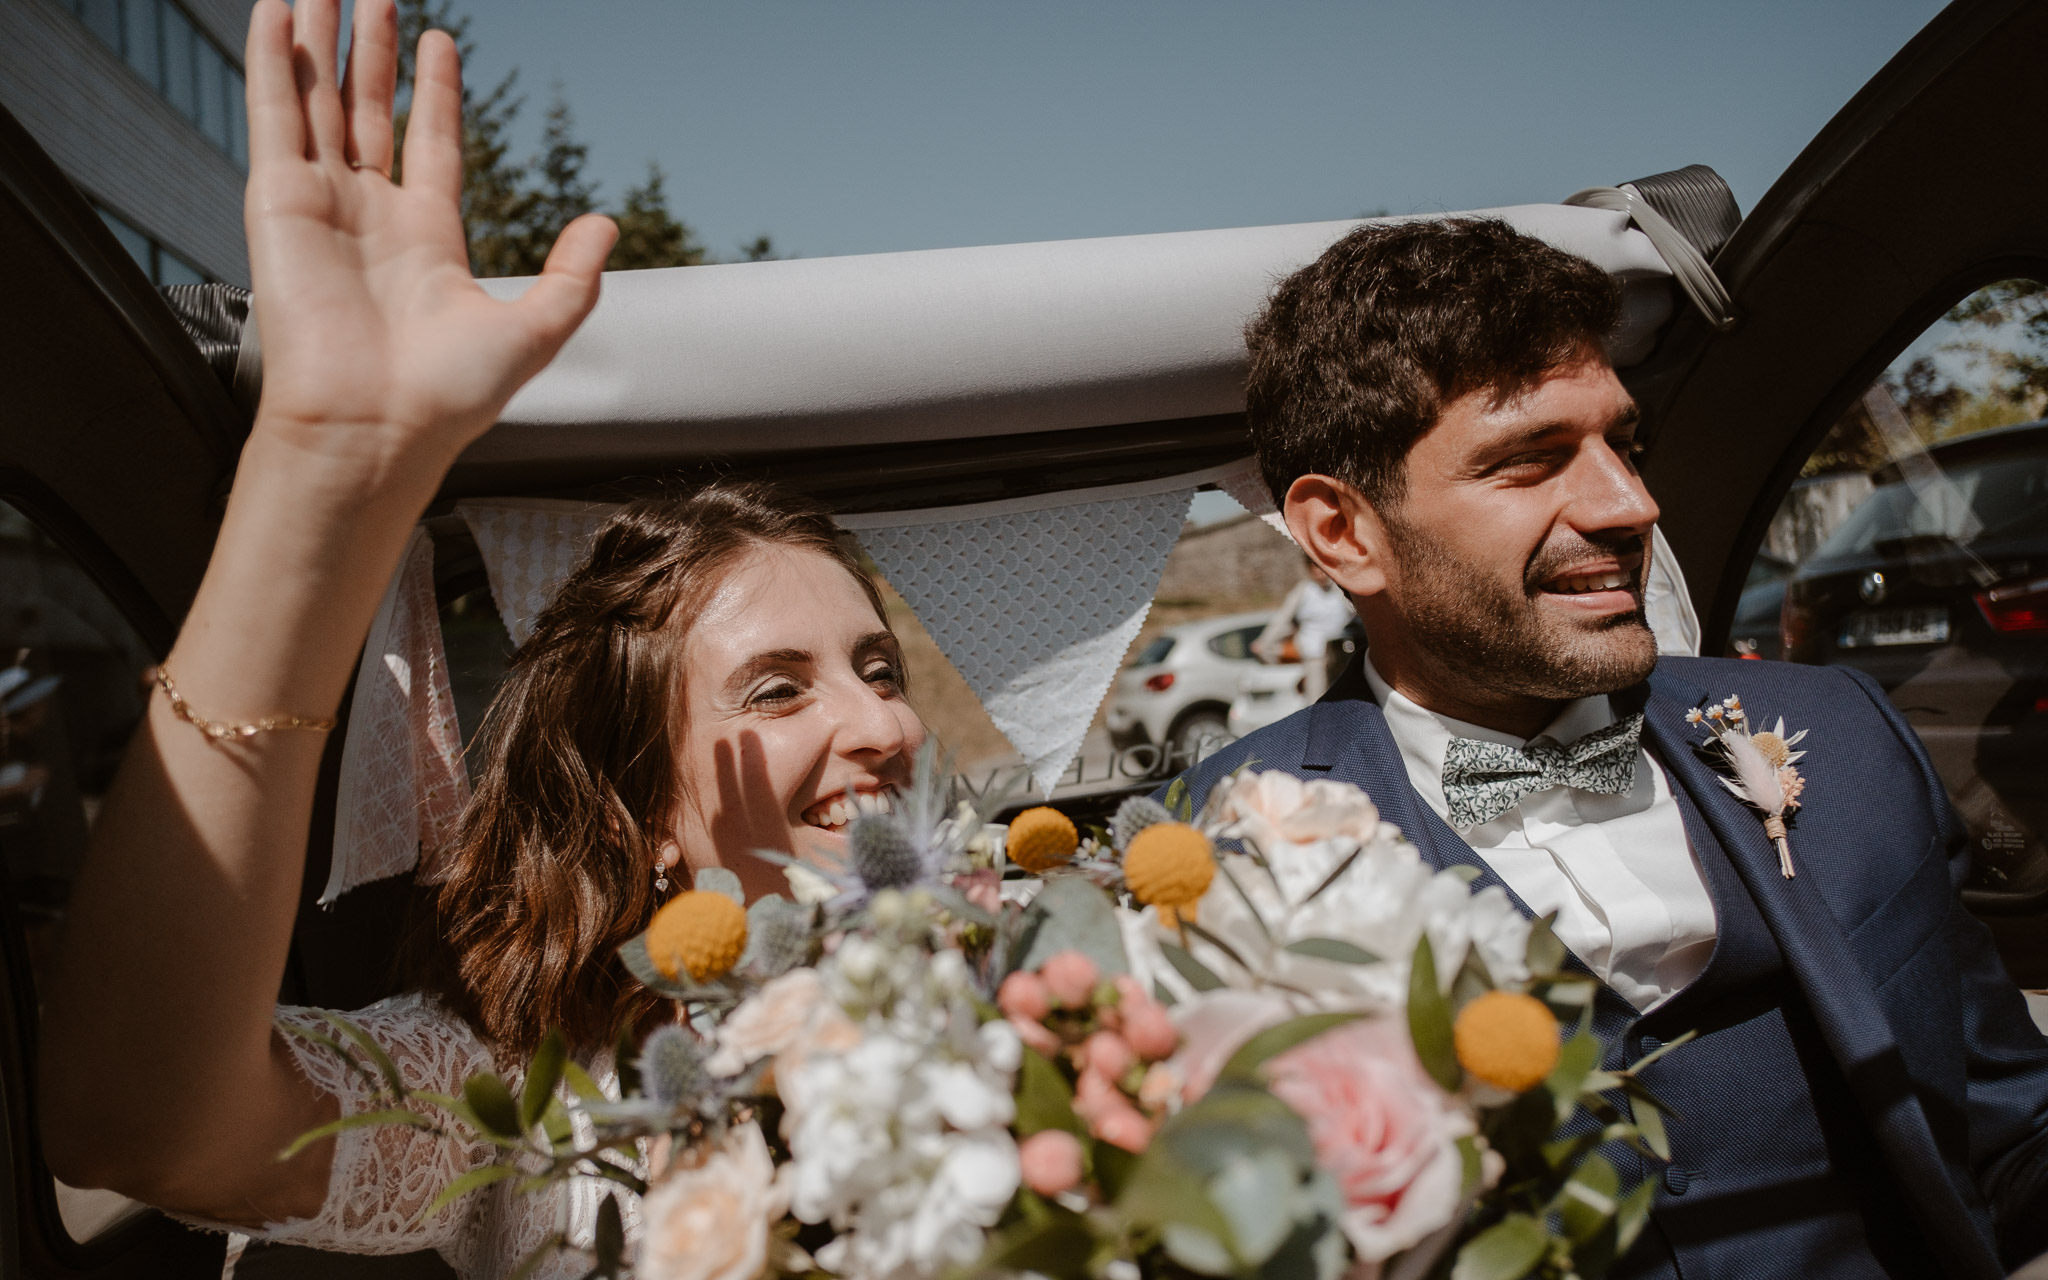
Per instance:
{"type": "Point", "coordinates": [1357, 353]}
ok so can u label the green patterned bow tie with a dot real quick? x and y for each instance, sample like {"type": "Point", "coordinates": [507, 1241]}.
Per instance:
{"type": "Point", "coordinates": [1483, 780]}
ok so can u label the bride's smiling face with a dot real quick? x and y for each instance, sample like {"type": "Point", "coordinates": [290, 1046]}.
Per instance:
{"type": "Point", "coordinates": [793, 715]}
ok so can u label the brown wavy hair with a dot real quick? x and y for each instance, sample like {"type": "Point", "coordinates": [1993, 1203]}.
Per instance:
{"type": "Point", "coordinates": [552, 868]}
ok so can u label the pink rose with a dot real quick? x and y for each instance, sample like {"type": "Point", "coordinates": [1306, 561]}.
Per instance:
{"type": "Point", "coordinates": [1108, 1053]}
{"type": "Point", "coordinates": [710, 1219]}
{"type": "Point", "coordinates": [1070, 977]}
{"type": "Point", "coordinates": [1051, 1161]}
{"type": "Point", "coordinates": [1382, 1128]}
{"type": "Point", "coordinates": [1023, 995]}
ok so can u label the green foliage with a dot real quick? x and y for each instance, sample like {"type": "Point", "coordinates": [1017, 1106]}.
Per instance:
{"type": "Point", "coordinates": [542, 1075]}
{"type": "Point", "coordinates": [1274, 1041]}
{"type": "Point", "coordinates": [1071, 914]}
{"type": "Point", "coordinates": [1044, 1100]}
{"type": "Point", "coordinates": [1332, 949]}
{"type": "Point", "coordinates": [1507, 1250]}
{"type": "Point", "coordinates": [1429, 1019]}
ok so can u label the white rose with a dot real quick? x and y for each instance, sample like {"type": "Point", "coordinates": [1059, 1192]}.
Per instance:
{"type": "Point", "coordinates": [711, 1221]}
{"type": "Point", "coordinates": [768, 1021]}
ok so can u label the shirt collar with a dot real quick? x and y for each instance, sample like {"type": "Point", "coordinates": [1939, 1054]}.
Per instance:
{"type": "Point", "coordinates": [1424, 736]}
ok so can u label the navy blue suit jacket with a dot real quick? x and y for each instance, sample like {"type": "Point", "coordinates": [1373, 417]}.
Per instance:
{"type": "Point", "coordinates": [1860, 992]}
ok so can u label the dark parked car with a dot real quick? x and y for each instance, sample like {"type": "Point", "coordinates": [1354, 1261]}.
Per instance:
{"type": "Point", "coordinates": [1754, 633]}
{"type": "Point", "coordinates": [1937, 585]}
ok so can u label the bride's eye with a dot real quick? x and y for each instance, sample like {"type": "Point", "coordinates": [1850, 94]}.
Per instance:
{"type": "Point", "coordinates": [884, 675]}
{"type": "Point", "coordinates": [780, 693]}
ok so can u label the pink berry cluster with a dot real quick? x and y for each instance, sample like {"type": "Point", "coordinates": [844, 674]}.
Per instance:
{"type": "Point", "coordinates": [1113, 1038]}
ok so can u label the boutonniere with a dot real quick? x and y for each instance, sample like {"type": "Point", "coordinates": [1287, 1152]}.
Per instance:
{"type": "Point", "coordinates": [1764, 764]}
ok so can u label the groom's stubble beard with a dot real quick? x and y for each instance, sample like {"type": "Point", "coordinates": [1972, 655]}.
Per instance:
{"type": "Point", "coordinates": [1491, 637]}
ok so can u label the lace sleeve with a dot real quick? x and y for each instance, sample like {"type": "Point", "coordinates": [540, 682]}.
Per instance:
{"type": "Point", "coordinates": [384, 1175]}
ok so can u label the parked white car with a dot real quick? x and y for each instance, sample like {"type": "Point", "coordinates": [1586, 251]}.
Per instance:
{"type": "Point", "coordinates": [1266, 694]}
{"type": "Point", "coordinates": [1176, 692]}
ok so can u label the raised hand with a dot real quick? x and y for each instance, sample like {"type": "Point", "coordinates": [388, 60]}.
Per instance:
{"type": "Point", "coordinates": [381, 354]}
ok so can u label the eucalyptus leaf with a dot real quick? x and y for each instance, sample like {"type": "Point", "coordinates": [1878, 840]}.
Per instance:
{"type": "Point", "coordinates": [361, 1120]}
{"type": "Point", "coordinates": [1635, 1211]}
{"type": "Point", "coordinates": [1071, 914]}
{"type": "Point", "coordinates": [719, 880]}
{"type": "Point", "coordinates": [1276, 1040]}
{"type": "Point", "coordinates": [542, 1075]}
{"type": "Point", "coordinates": [1507, 1250]}
{"type": "Point", "coordinates": [1650, 1123]}
{"type": "Point", "coordinates": [1196, 1249]}
{"type": "Point", "coordinates": [1429, 1020]}
{"type": "Point", "coordinates": [491, 1102]}
{"type": "Point", "coordinates": [641, 966]}
{"type": "Point", "coordinates": [1178, 800]}
{"type": "Point", "coordinates": [1331, 949]}
{"type": "Point", "coordinates": [1113, 1169]}
{"type": "Point", "coordinates": [1473, 980]}
{"type": "Point", "coordinates": [1546, 952]}
{"type": "Point", "coordinates": [1336, 874]}
{"type": "Point", "coordinates": [1056, 1244]}
{"type": "Point", "coordinates": [483, 1176]}
{"type": "Point", "coordinates": [1194, 927]}
{"type": "Point", "coordinates": [364, 1041]}
{"type": "Point", "coordinates": [1256, 1193]}
{"type": "Point", "coordinates": [1576, 1059]}
{"type": "Point", "coordinates": [1588, 1201]}
{"type": "Point", "coordinates": [1162, 995]}
{"type": "Point", "coordinates": [1660, 1051]}
{"type": "Point", "coordinates": [580, 1082]}
{"type": "Point", "coordinates": [1196, 974]}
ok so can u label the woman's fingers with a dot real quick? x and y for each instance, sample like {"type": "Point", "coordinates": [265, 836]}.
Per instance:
{"type": "Point", "coordinates": [369, 83]}
{"type": "Point", "coordinates": [316, 27]}
{"type": "Point", "coordinates": [433, 133]}
{"type": "Point", "coordinates": [568, 284]}
{"type": "Point", "coordinates": [277, 127]}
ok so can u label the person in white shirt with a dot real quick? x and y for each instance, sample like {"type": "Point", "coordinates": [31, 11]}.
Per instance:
{"type": "Point", "coordinates": [1314, 613]}
{"type": "Point", "coordinates": [1434, 412]}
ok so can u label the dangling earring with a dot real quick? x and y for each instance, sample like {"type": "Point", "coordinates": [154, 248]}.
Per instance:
{"type": "Point", "coordinates": [660, 876]}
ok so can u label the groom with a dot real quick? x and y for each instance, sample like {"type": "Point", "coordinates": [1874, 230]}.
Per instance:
{"type": "Point", "coordinates": [1867, 1097]}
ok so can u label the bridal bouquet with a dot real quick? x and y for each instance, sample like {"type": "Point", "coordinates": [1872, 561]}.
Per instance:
{"type": "Point", "coordinates": [1266, 1039]}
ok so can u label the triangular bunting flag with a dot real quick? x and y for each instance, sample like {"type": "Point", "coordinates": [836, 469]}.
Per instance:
{"type": "Point", "coordinates": [1036, 608]}
{"type": "Point", "coordinates": [529, 545]}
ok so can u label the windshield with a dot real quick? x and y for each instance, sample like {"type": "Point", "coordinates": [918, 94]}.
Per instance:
{"type": "Point", "coordinates": [1987, 498]}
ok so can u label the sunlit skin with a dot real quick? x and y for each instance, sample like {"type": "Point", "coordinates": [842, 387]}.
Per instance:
{"type": "Point", "coordinates": [792, 702]}
{"type": "Point", "coordinates": [1530, 499]}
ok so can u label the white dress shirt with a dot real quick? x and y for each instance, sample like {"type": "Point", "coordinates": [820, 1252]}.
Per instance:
{"type": "Point", "coordinates": [1618, 870]}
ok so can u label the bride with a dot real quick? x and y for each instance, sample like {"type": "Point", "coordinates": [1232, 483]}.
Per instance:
{"type": "Point", "coordinates": [718, 677]}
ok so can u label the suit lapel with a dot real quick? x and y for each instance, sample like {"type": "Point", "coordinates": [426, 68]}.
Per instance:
{"type": "Point", "coordinates": [1836, 989]}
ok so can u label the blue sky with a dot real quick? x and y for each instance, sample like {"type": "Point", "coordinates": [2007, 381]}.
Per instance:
{"type": "Point", "coordinates": [868, 127]}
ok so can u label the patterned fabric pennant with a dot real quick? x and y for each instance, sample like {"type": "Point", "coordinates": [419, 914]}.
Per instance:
{"type": "Point", "coordinates": [1483, 780]}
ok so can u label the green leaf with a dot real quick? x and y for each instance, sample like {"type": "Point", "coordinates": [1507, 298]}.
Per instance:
{"type": "Point", "coordinates": [1507, 1250]}
{"type": "Point", "coordinates": [1429, 1020]}
{"type": "Point", "coordinates": [491, 1102]}
{"type": "Point", "coordinates": [542, 1075]}
{"type": "Point", "coordinates": [626, 1061]}
{"type": "Point", "coordinates": [634, 955]}
{"type": "Point", "coordinates": [580, 1082]}
{"type": "Point", "coordinates": [1546, 953]}
{"type": "Point", "coordinates": [462, 1186]}
{"type": "Point", "coordinates": [1473, 980]}
{"type": "Point", "coordinates": [1205, 935]}
{"type": "Point", "coordinates": [1113, 1169]}
{"type": "Point", "coordinates": [1043, 1099]}
{"type": "Point", "coordinates": [1588, 1201]}
{"type": "Point", "coordinates": [1162, 995]}
{"type": "Point", "coordinates": [556, 1124]}
{"type": "Point", "coordinates": [1659, 1052]}
{"type": "Point", "coordinates": [1650, 1123]}
{"type": "Point", "coordinates": [363, 1040]}
{"type": "Point", "coordinates": [1276, 1040]}
{"type": "Point", "coordinates": [1057, 1244]}
{"type": "Point", "coordinates": [361, 1120]}
{"type": "Point", "coordinates": [611, 1234]}
{"type": "Point", "coordinates": [1331, 949]}
{"type": "Point", "coordinates": [1576, 1059]}
{"type": "Point", "coordinates": [332, 1045]}
{"type": "Point", "coordinates": [1464, 871]}
{"type": "Point", "coordinates": [719, 880]}
{"type": "Point", "coordinates": [1336, 874]}
{"type": "Point", "coordinates": [1196, 1249]}
{"type": "Point", "coordinates": [1257, 1193]}
{"type": "Point", "coordinates": [1071, 914]}
{"type": "Point", "coordinates": [1178, 802]}
{"type": "Point", "coordinates": [1194, 971]}
{"type": "Point", "coordinates": [1635, 1211]}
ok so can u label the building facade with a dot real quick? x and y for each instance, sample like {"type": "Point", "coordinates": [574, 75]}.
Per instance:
{"type": "Point", "coordinates": [140, 102]}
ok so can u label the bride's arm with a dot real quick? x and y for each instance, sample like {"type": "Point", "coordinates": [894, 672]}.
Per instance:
{"type": "Point", "coordinates": [160, 1073]}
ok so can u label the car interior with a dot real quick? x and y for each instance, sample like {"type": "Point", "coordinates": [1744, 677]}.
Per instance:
{"type": "Point", "coordinates": [1791, 445]}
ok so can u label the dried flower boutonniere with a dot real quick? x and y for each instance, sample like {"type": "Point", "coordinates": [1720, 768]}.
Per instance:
{"type": "Point", "coordinates": [1766, 777]}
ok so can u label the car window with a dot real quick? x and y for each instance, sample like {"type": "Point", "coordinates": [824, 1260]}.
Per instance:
{"type": "Point", "coordinates": [1918, 538]}
{"type": "Point", "coordinates": [1155, 652]}
{"type": "Point", "coordinates": [1235, 644]}
{"type": "Point", "coordinates": [73, 685]}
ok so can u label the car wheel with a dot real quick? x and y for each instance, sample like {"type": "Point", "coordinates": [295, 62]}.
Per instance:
{"type": "Point", "coordinates": [1197, 738]}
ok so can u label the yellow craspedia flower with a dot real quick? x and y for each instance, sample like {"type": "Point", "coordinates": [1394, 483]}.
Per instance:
{"type": "Point", "coordinates": [1041, 839]}
{"type": "Point", "coordinates": [1169, 865]}
{"type": "Point", "coordinates": [700, 932]}
{"type": "Point", "coordinates": [1507, 1039]}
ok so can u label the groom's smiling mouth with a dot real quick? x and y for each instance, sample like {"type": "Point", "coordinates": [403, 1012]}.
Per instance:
{"type": "Point", "coordinates": [1598, 588]}
{"type": "Point", "coordinates": [836, 811]}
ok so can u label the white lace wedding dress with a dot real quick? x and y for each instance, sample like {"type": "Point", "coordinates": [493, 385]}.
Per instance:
{"type": "Point", "coordinates": [384, 1175]}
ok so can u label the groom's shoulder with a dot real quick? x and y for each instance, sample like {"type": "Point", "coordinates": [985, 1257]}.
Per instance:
{"type": "Point", "coordinates": [1282, 745]}
{"type": "Point", "coordinates": [1773, 688]}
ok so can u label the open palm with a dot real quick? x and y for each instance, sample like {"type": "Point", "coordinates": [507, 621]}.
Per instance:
{"type": "Point", "coordinates": [380, 350]}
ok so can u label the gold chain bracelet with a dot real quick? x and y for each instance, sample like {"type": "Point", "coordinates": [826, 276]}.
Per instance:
{"type": "Point", "coordinates": [223, 733]}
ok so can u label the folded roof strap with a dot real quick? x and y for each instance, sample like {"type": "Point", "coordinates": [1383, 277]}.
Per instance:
{"type": "Point", "coordinates": [1688, 265]}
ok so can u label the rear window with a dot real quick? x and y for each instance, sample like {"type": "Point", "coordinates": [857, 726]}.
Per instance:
{"type": "Point", "coordinates": [1985, 498]}
{"type": "Point", "coordinates": [1154, 652]}
{"type": "Point", "coordinates": [1235, 645]}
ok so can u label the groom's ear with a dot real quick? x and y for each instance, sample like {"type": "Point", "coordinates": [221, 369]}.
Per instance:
{"type": "Point", "coordinates": [1333, 523]}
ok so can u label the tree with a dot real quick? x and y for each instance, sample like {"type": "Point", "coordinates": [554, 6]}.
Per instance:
{"type": "Point", "coordinates": [513, 211]}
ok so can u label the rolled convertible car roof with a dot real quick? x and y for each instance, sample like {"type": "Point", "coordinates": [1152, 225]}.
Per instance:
{"type": "Point", "coordinates": [953, 344]}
